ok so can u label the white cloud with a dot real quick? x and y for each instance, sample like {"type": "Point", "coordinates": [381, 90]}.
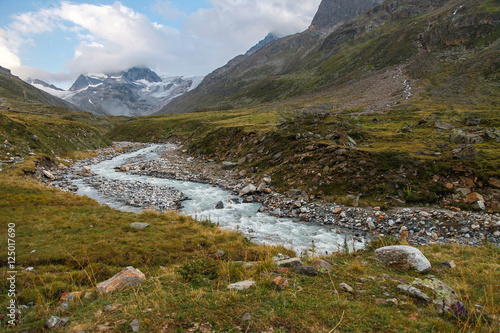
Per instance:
{"type": "Point", "coordinates": [8, 50]}
{"type": "Point", "coordinates": [115, 37]}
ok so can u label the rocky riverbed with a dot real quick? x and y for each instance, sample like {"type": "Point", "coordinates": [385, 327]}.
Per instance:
{"type": "Point", "coordinates": [419, 225]}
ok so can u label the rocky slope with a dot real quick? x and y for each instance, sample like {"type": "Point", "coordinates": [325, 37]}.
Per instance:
{"type": "Point", "coordinates": [333, 12]}
{"type": "Point", "coordinates": [397, 50]}
{"type": "Point", "coordinates": [135, 92]}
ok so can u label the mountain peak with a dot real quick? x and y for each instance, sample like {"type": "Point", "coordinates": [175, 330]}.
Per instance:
{"type": "Point", "coordinates": [272, 36]}
{"type": "Point", "coordinates": [35, 82]}
{"type": "Point", "coordinates": [141, 73]}
{"type": "Point", "coordinates": [83, 81]}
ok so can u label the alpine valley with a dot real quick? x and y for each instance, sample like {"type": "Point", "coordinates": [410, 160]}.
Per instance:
{"type": "Point", "coordinates": [342, 179]}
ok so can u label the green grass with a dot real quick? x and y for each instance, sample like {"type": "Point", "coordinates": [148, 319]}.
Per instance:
{"type": "Point", "coordinates": [183, 126]}
{"type": "Point", "coordinates": [78, 244]}
{"type": "Point", "coordinates": [30, 127]}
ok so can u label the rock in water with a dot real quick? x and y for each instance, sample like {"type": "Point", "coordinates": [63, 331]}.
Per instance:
{"type": "Point", "coordinates": [403, 255]}
{"type": "Point", "coordinates": [219, 205]}
{"type": "Point", "coordinates": [129, 277]}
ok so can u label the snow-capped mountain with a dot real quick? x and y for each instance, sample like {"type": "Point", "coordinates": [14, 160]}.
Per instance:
{"type": "Point", "coordinates": [135, 92]}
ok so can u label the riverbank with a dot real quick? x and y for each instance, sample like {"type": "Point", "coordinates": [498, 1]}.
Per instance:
{"type": "Point", "coordinates": [418, 225]}
{"type": "Point", "coordinates": [68, 243]}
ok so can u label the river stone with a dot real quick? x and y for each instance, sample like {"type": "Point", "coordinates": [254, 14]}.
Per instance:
{"type": "Point", "coordinates": [293, 262]}
{"type": "Point", "coordinates": [403, 255]}
{"type": "Point", "coordinates": [294, 193]}
{"type": "Point", "coordinates": [48, 174]}
{"type": "Point", "coordinates": [479, 205]}
{"type": "Point", "coordinates": [219, 205]}
{"type": "Point", "coordinates": [414, 292]}
{"type": "Point", "coordinates": [473, 197]}
{"type": "Point", "coordinates": [139, 225]}
{"type": "Point", "coordinates": [495, 182]}
{"type": "Point", "coordinates": [249, 189]}
{"type": "Point", "coordinates": [226, 165]}
{"type": "Point", "coordinates": [128, 277]}
{"type": "Point", "coordinates": [241, 285]}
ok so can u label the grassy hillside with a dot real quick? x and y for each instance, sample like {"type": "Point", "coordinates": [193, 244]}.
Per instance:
{"type": "Point", "coordinates": [32, 121]}
{"type": "Point", "coordinates": [186, 287]}
{"type": "Point", "coordinates": [12, 87]}
{"type": "Point", "coordinates": [36, 128]}
{"type": "Point", "coordinates": [397, 153]}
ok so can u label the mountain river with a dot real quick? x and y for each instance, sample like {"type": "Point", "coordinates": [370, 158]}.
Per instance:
{"type": "Point", "coordinates": [262, 228]}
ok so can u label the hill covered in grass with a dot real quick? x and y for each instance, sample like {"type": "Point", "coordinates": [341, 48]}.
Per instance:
{"type": "Point", "coordinates": [12, 87]}
{"type": "Point", "coordinates": [33, 122]}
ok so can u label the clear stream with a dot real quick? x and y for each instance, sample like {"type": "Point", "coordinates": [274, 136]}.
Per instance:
{"type": "Point", "coordinates": [243, 217]}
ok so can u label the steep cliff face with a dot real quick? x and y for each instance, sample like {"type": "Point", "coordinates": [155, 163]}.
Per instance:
{"type": "Point", "coordinates": [370, 61]}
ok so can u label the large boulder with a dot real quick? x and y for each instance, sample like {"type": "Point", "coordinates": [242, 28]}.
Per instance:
{"type": "Point", "coordinates": [249, 189]}
{"type": "Point", "coordinates": [403, 255]}
{"type": "Point", "coordinates": [129, 277]}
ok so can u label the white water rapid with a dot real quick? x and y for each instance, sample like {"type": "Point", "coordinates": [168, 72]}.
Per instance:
{"type": "Point", "coordinates": [243, 217]}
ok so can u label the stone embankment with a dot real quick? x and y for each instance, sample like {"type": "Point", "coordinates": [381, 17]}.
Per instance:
{"type": "Point", "coordinates": [418, 225]}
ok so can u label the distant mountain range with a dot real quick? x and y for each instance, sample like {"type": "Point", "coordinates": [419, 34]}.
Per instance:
{"type": "Point", "coordinates": [136, 92]}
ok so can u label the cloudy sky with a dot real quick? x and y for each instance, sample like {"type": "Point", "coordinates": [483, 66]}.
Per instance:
{"type": "Point", "coordinates": [57, 40]}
